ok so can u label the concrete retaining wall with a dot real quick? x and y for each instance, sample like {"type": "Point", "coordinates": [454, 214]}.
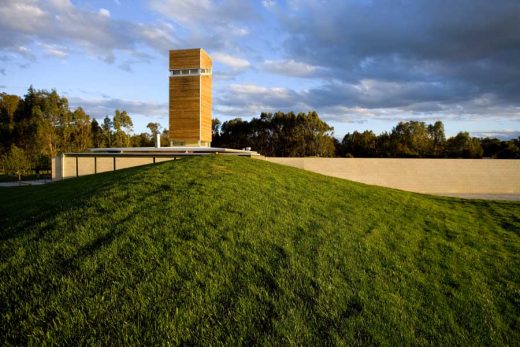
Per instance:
{"type": "Point", "coordinates": [81, 164]}
{"type": "Point", "coordinates": [434, 176]}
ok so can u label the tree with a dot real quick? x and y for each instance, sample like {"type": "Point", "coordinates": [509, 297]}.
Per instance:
{"type": "Point", "coordinates": [215, 128]}
{"type": "Point", "coordinates": [141, 140]}
{"type": "Point", "coordinates": [107, 130]}
{"type": "Point", "coordinates": [313, 136]}
{"type": "Point", "coordinates": [98, 138]}
{"type": "Point", "coordinates": [82, 130]}
{"type": "Point", "coordinates": [165, 138]}
{"type": "Point", "coordinates": [464, 146]}
{"type": "Point", "coordinates": [360, 144]}
{"type": "Point", "coordinates": [411, 139]}
{"type": "Point", "coordinates": [511, 151]}
{"type": "Point", "coordinates": [8, 107]}
{"type": "Point", "coordinates": [123, 126]}
{"type": "Point", "coordinates": [16, 162]}
{"type": "Point", "coordinates": [438, 139]}
{"type": "Point", "coordinates": [492, 146]}
{"type": "Point", "coordinates": [279, 134]}
{"type": "Point", "coordinates": [50, 114]}
{"type": "Point", "coordinates": [154, 129]}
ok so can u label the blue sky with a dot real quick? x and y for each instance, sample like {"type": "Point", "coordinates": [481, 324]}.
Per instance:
{"type": "Point", "coordinates": [362, 64]}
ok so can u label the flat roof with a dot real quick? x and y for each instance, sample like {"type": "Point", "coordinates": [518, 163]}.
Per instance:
{"type": "Point", "coordinates": [174, 150]}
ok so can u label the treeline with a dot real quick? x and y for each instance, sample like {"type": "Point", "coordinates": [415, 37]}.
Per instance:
{"type": "Point", "coordinates": [414, 139]}
{"type": "Point", "coordinates": [290, 135]}
{"type": "Point", "coordinates": [279, 135]}
{"type": "Point", "coordinates": [40, 125]}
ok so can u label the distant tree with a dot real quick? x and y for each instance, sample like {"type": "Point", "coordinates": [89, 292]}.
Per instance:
{"type": "Point", "coordinates": [155, 128]}
{"type": "Point", "coordinates": [107, 130]}
{"type": "Point", "coordinates": [142, 140]}
{"type": "Point", "coordinates": [464, 146]}
{"type": "Point", "coordinates": [411, 139]}
{"type": "Point", "coordinates": [360, 144]}
{"type": "Point", "coordinates": [67, 129]}
{"type": "Point", "coordinates": [313, 136]}
{"type": "Point", "coordinates": [278, 134]}
{"type": "Point", "coordinates": [82, 130]}
{"type": "Point", "coordinates": [8, 107]}
{"type": "Point", "coordinates": [16, 162]}
{"type": "Point", "coordinates": [234, 134]}
{"type": "Point", "coordinates": [49, 116]}
{"type": "Point", "coordinates": [492, 146]}
{"type": "Point", "coordinates": [165, 138]}
{"type": "Point", "coordinates": [98, 139]}
{"type": "Point", "coordinates": [123, 126]}
{"type": "Point", "coordinates": [437, 138]}
{"type": "Point", "coordinates": [122, 121]}
{"type": "Point", "coordinates": [385, 146]}
{"type": "Point", "coordinates": [511, 151]}
{"type": "Point", "coordinates": [215, 128]}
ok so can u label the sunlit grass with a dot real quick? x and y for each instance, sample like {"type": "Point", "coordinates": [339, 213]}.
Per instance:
{"type": "Point", "coordinates": [230, 250]}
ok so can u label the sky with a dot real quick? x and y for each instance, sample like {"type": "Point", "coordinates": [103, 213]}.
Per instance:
{"type": "Point", "coordinates": [361, 64]}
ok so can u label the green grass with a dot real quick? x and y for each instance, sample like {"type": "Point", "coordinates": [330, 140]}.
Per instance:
{"type": "Point", "coordinates": [225, 250]}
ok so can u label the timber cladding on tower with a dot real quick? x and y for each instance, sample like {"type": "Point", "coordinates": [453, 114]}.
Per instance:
{"type": "Point", "coordinates": [190, 97]}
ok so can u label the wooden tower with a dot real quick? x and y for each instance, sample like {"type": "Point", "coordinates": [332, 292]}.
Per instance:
{"type": "Point", "coordinates": [190, 97]}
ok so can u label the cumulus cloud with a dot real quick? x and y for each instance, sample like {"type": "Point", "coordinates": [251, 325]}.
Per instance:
{"type": "Point", "coordinates": [205, 12]}
{"type": "Point", "coordinates": [366, 59]}
{"type": "Point", "coordinates": [268, 3]}
{"type": "Point", "coordinates": [245, 100]}
{"type": "Point", "coordinates": [99, 108]}
{"type": "Point", "coordinates": [415, 54]}
{"type": "Point", "coordinates": [55, 51]}
{"type": "Point", "coordinates": [210, 23]}
{"type": "Point", "coordinates": [59, 22]}
{"type": "Point", "coordinates": [235, 63]}
{"type": "Point", "coordinates": [290, 67]}
{"type": "Point", "coordinates": [103, 12]}
{"type": "Point", "coordinates": [366, 100]}
{"type": "Point", "coordinates": [499, 134]}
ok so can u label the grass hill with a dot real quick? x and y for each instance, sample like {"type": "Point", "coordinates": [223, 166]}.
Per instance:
{"type": "Point", "coordinates": [212, 250]}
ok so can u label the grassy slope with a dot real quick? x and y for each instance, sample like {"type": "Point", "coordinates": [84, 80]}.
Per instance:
{"type": "Point", "coordinates": [224, 249]}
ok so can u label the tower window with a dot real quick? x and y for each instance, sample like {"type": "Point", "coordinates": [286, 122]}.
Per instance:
{"type": "Point", "coordinates": [190, 72]}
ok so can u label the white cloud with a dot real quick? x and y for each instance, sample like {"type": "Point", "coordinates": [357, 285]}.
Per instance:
{"type": "Point", "coordinates": [204, 12]}
{"type": "Point", "coordinates": [268, 3]}
{"type": "Point", "coordinates": [290, 67]}
{"type": "Point", "coordinates": [25, 16]}
{"type": "Point", "coordinates": [99, 108]}
{"type": "Point", "coordinates": [246, 100]}
{"type": "Point", "coordinates": [54, 51]}
{"type": "Point", "coordinates": [367, 100]}
{"type": "Point", "coordinates": [231, 61]}
{"type": "Point", "coordinates": [214, 25]}
{"type": "Point", "coordinates": [238, 30]}
{"type": "Point", "coordinates": [499, 134]}
{"type": "Point", "coordinates": [61, 4]}
{"type": "Point", "coordinates": [60, 23]}
{"type": "Point", "coordinates": [103, 12]}
{"type": "Point", "coordinates": [158, 36]}
{"type": "Point", "coordinates": [24, 52]}
{"type": "Point", "coordinates": [253, 89]}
